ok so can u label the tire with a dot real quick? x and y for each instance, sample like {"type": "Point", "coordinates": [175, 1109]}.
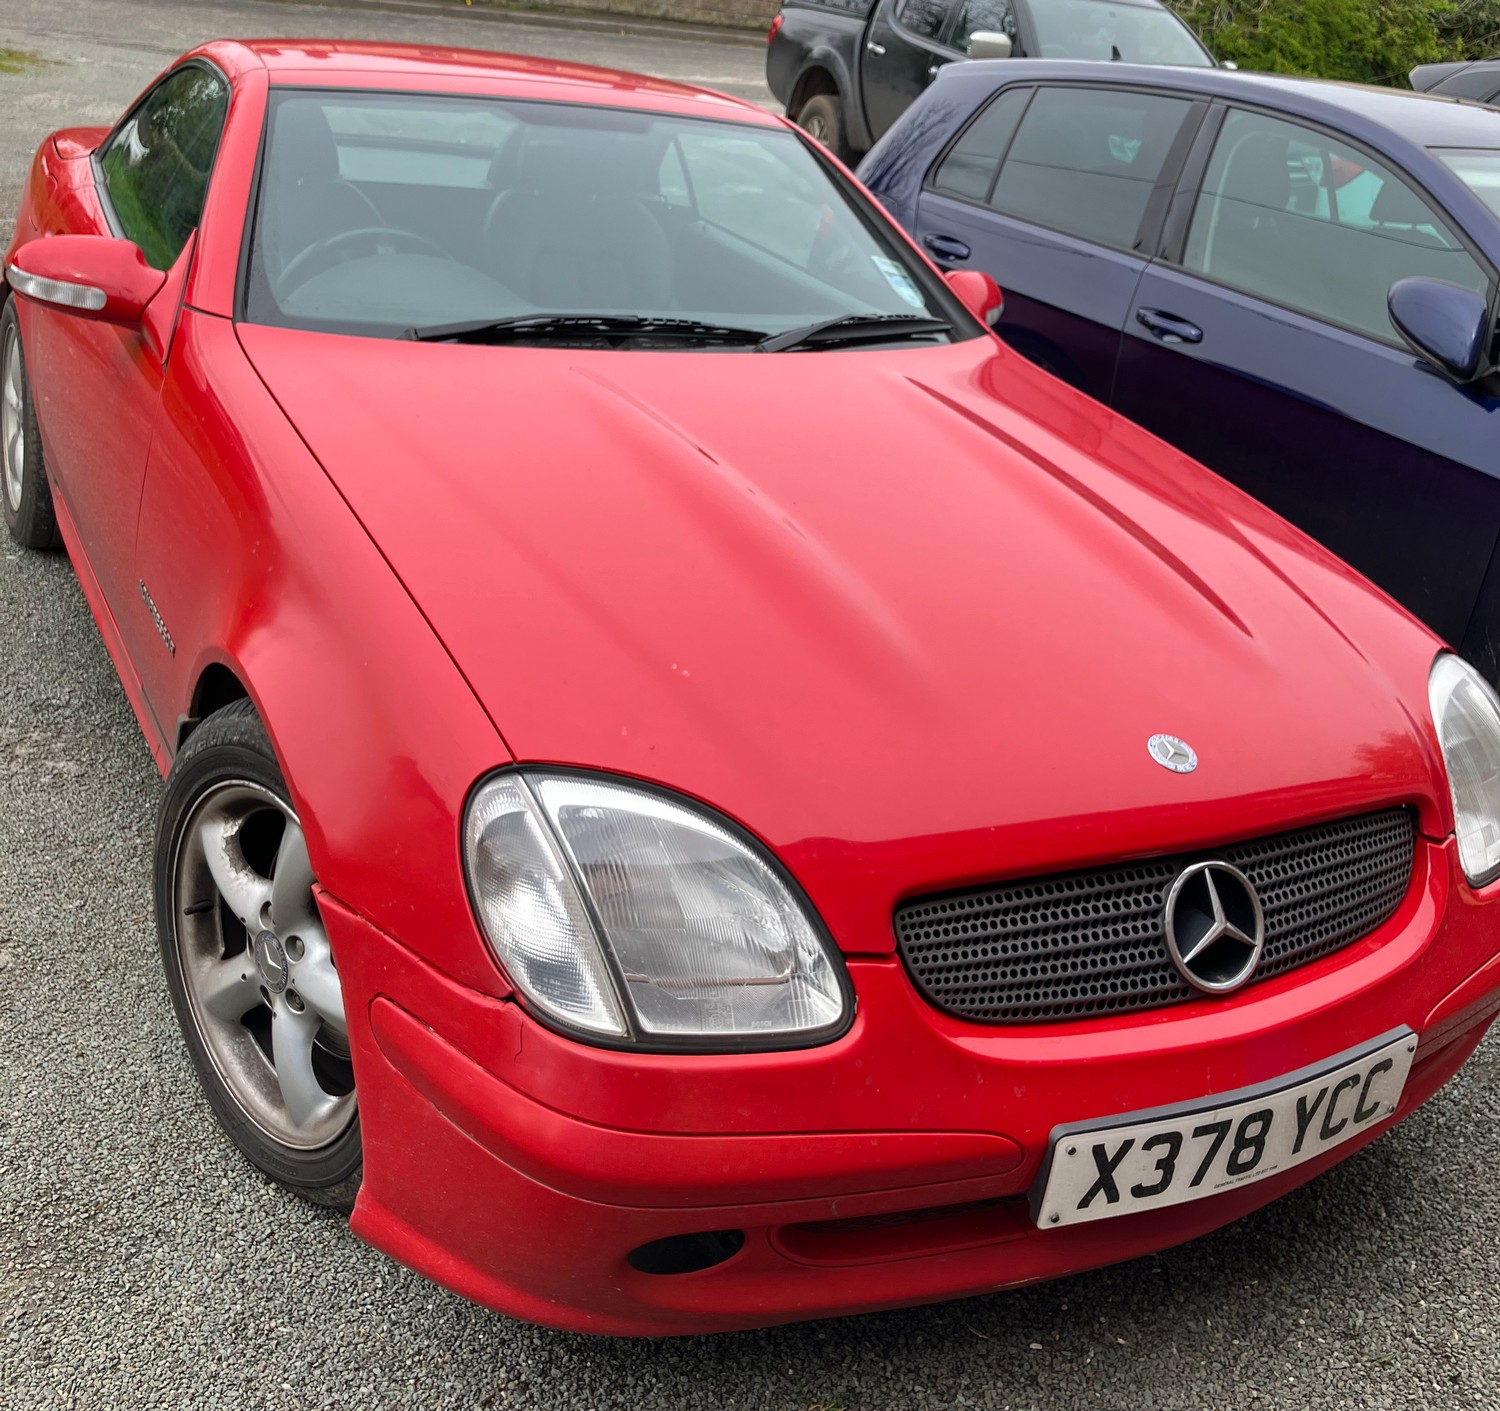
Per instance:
{"type": "Point", "coordinates": [822, 119]}
{"type": "Point", "coordinates": [25, 496]}
{"type": "Point", "coordinates": [252, 979]}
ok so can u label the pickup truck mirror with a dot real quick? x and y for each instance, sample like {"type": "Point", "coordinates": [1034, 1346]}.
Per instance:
{"type": "Point", "coordinates": [1448, 325]}
{"type": "Point", "coordinates": [989, 44]}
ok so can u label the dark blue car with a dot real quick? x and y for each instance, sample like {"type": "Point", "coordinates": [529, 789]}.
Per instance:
{"type": "Point", "coordinates": [1293, 281]}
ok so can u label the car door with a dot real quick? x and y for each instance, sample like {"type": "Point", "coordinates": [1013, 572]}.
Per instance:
{"type": "Point", "coordinates": [903, 52]}
{"type": "Point", "coordinates": [1056, 191]}
{"type": "Point", "coordinates": [98, 385]}
{"type": "Point", "coordinates": [1262, 347]}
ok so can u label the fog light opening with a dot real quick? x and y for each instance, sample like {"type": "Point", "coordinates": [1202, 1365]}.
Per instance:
{"type": "Point", "coordinates": [687, 1254]}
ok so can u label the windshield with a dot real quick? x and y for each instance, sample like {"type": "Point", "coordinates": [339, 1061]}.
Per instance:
{"type": "Point", "coordinates": [1096, 29]}
{"type": "Point", "coordinates": [388, 214]}
{"type": "Point", "coordinates": [1479, 169]}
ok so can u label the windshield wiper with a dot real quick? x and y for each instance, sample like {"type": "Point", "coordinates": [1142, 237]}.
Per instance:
{"type": "Point", "coordinates": [609, 328]}
{"type": "Point", "coordinates": [852, 329]}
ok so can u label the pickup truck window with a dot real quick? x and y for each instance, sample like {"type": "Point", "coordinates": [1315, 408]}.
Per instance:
{"type": "Point", "coordinates": [923, 18]}
{"type": "Point", "coordinates": [1136, 33]}
{"type": "Point", "coordinates": [985, 16]}
{"type": "Point", "coordinates": [968, 171]}
{"type": "Point", "coordinates": [1085, 161]}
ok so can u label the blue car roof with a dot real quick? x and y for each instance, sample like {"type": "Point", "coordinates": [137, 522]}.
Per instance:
{"type": "Point", "coordinates": [1424, 119]}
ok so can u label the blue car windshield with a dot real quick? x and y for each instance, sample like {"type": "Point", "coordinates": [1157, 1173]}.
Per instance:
{"type": "Point", "coordinates": [1478, 168]}
{"type": "Point", "coordinates": [1100, 29]}
{"type": "Point", "coordinates": [379, 214]}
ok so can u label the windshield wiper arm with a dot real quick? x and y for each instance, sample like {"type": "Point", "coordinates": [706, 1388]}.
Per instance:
{"type": "Point", "coordinates": [543, 326]}
{"type": "Point", "coordinates": [850, 329]}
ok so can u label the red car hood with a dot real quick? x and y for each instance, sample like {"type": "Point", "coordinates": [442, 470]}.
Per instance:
{"type": "Point", "coordinates": [907, 615]}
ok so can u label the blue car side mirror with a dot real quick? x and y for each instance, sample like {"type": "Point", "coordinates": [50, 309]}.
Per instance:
{"type": "Point", "coordinates": [1446, 324]}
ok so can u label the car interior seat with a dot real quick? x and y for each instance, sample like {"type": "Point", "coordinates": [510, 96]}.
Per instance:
{"type": "Point", "coordinates": [1250, 236]}
{"type": "Point", "coordinates": [307, 200]}
{"type": "Point", "coordinates": [574, 232]}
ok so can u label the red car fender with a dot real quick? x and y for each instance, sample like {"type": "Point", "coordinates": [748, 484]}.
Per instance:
{"type": "Point", "coordinates": [244, 543]}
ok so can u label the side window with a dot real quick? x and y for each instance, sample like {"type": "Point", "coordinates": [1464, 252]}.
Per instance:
{"type": "Point", "coordinates": [923, 18]}
{"type": "Point", "coordinates": [1298, 218]}
{"type": "Point", "coordinates": [987, 17]}
{"type": "Point", "coordinates": [968, 171]}
{"type": "Point", "coordinates": [156, 167]}
{"type": "Point", "coordinates": [1469, 83]}
{"type": "Point", "coordinates": [1086, 161]}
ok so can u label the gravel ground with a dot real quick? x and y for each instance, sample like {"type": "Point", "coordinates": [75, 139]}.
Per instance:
{"type": "Point", "coordinates": [143, 1264]}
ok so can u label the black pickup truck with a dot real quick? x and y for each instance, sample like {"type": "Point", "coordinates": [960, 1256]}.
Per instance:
{"type": "Point", "coordinates": [847, 69]}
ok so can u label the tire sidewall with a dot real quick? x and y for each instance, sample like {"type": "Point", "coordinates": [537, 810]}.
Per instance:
{"type": "Point", "coordinates": [32, 524]}
{"type": "Point", "coordinates": [832, 111]}
{"type": "Point", "coordinates": [233, 745]}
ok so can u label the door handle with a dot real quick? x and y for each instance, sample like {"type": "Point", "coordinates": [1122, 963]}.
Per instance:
{"type": "Point", "coordinates": [945, 247]}
{"type": "Point", "coordinates": [872, 47]}
{"type": "Point", "coordinates": [1168, 327]}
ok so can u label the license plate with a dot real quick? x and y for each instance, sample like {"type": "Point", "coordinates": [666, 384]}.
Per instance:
{"type": "Point", "coordinates": [1169, 1155]}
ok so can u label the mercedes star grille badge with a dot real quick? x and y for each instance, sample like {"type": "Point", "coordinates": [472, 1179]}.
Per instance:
{"type": "Point", "coordinates": [1215, 928]}
{"type": "Point", "coordinates": [1172, 753]}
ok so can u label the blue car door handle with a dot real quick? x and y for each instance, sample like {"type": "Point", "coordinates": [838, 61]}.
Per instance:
{"type": "Point", "coordinates": [1168, 327]}
{"type": "Point", "coordinates": [945, 247]}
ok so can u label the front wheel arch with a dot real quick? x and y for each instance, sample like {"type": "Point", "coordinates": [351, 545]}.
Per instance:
{"type": "Point", "coordinates": [217, 686]}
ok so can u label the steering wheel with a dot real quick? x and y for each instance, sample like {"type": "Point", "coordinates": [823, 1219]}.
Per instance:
{"type": "Point", "coordinates": [316, 258]}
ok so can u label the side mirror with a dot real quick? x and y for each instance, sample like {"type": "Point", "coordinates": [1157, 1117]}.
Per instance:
{"type": "Point", "coordinates": [1446, 324]}
{"type": "Point", "coordinates": [988, 44]}
{"type": "Point", "coordinates": [1228, 64]}
{"type": "Point", "coordinates": [88, 275]}
{"type": "Point", "coordinates": [978, 293]}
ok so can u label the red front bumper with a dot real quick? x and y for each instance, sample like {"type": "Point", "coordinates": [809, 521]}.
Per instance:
{"type": "Point", "coordinates": [889, 1168]}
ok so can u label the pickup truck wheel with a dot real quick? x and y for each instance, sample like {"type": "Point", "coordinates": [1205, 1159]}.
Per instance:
{"type": "Point", "coordinates": [822, 119]}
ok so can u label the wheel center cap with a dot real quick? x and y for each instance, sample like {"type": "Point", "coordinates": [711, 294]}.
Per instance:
{"type": "Point", "coordinates": [270, 960]}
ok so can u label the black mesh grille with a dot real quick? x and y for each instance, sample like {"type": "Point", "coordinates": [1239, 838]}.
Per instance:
{"type": "Point", "coordinates": [1083, 943]}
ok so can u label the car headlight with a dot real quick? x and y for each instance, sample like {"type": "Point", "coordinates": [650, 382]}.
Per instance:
{"type": "Point", "coordinates": [630, 917]}
{"type": "Point", "coordinates": [1466, 713]}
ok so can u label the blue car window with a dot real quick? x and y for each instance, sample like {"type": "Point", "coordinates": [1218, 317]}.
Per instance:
{"type": "Point", "coordinates": [1479, 169]}
{"type": "Point", "coordinates": [968, 171]}
{"type": "Point", "coordinates": [1085, 161]}
{"type": "Point", "coordinates": [1298, 218]}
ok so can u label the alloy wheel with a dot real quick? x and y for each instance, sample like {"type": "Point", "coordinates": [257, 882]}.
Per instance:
{"type": "Point", "coordinates": [12, 421]}
{"type": "Point", "coordinates": [256, 965]}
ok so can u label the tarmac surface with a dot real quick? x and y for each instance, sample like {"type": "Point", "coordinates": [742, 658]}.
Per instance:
{"type": "Point", "coordinates": [143, 1264]}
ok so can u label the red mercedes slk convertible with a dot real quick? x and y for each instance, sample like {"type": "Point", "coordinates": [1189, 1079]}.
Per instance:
{"type": "Point", "coordinates": [702, 790]}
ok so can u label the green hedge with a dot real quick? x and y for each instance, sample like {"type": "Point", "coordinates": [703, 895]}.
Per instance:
{"type": "Point", "coordinates": [1370, 41]}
